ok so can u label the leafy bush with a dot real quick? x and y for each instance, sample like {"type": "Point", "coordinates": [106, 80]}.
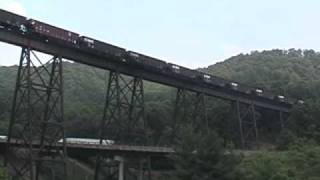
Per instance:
{"type": "Point", "coordinates": [300, 161]}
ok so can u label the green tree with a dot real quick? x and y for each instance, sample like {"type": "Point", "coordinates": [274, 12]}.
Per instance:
{"type": "Point", "coordinates": [300, 161]}
{"type": "Point", "coordinates": [3, 174]}
{"type": "Point", "coordinates": [201, 156]}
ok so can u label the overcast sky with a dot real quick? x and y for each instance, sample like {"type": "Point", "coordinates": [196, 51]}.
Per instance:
{"type": "Point", "coordinates": [187, 32]}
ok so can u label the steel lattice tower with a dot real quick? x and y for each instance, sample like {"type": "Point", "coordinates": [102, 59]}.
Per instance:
{"type": "Point", "coordinates": [190, 108]}
{"type": "Point", "coordinates": [123, 120]}
{"type": "Point", "coordinates": [248, 127]}
{"type": "Point", "coordinates": [37, 119]}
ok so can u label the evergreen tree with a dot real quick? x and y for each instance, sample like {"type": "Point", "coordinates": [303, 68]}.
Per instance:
{"type": "Point", "coordinates": [201, 156]}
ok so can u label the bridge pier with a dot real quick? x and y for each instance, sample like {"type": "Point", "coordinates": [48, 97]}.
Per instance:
{"type": "Point", "coordinates": [123, 118]}
{"type": "Point", "coordinates": [283, 117]}
{"type": "Point", "coordinates": [126, 167]}
{"type": "Point", "coordinates": [121, 160]}
{"type": "Point", "coordinates": [140, 176]}
{"type": "Point", "coordinates": [37, 116]}
{"type": "Point", "coordinates": [190, 107]}
{"type": "Point", "coordinates": [248, 127]}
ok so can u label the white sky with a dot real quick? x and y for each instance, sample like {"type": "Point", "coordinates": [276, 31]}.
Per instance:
{"type": "Point", "coordinates": [186, 32]}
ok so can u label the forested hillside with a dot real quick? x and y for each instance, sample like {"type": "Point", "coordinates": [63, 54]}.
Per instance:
{"type": "Point", "coordinates": [294, 73]}
{"type": "Point", "coordinates": [289, 72]}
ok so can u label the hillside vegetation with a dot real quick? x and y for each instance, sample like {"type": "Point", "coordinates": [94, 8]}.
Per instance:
{"type": "Point", "coordinates": [294, 73]}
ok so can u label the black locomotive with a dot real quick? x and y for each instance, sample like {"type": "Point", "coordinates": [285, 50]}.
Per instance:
{"type": "Point", "coordinates": [51, 33]}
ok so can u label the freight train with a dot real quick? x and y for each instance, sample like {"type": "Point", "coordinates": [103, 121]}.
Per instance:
{"type": "Point", "coordinates": [46, 32]}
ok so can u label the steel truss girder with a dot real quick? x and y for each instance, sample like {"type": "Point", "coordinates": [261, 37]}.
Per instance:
{"type": "Point", "coordinates": [37, 117]}
{"type": "Point", "coordinates": [190, 108]}
{"type": "Point", "coordinates": [123, 120]}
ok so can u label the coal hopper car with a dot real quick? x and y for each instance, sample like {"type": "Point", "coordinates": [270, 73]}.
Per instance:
{"type": "Point", "coordinates": [53, 33]}
{"type": "Point", "coordinates": [12, 21]}
{"type": "Point", "coordinates": [101, 47]}
{"type": "Point", "coordinates": [146, 61]}
{"type": "Point", "coordinates": [213, 80]}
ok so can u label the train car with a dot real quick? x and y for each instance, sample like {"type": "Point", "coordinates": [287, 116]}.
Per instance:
{"type": "Point", "coordinates": [268, 95]}
{"type": "Point", "coordinates": [280, 98]}
{"type": "Point", "coordinates": [12, 21]}
{"type": "Point", "coordinates": [184, 72]}
{"type": "Point", "coordinates": [245, 89]}
{"type": "Point", "coordinates": [101, 47]}
{"type": "Point", "coordinates": [205, 77]}
{"type": "Point", "coordinates": [212, 80]}
{"type": "Point", "coordinates": [3, 137]}
{"type": "Point", "coordinates": [189, 73]}
{"type": "Point", "coordinates": [233, 85]}
{"type": "Point", "coordinates": [241, 88]}
{"type": "Point", "coordinates": [147, 61]}
{"type": "Point", "coordinates": [52, 32]}
{"type": "Point", "coordinates": [218, 81]}
{"type": "Point", "coordinates": [174, 68]}
{"type": "Point", "coordinates": [291, 101]}
{"type": "Point", "coordinates": [300, 102]}
{"type": "Point", "coordinates": [257, 91]}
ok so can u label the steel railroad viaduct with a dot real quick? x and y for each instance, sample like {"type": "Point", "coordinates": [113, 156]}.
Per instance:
{"type": "Point", "coordinates": [91, 59]}
{"type": "Point", "coordinates": [37, 112]}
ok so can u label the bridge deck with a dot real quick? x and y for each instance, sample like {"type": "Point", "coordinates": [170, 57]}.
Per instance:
{"type": "Point", "coordinates": [123, 148]}
{"type": "Point", "coordinates": [95, 148]}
